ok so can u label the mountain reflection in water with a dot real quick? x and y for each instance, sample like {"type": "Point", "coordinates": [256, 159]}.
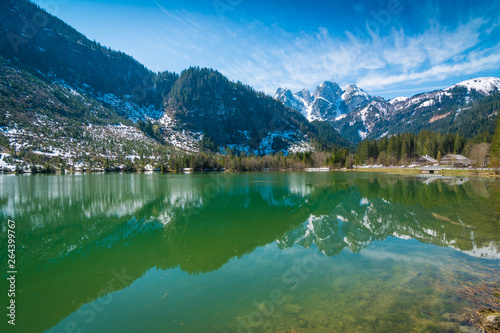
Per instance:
{"type": "Point", "coordinates": [86, 228]}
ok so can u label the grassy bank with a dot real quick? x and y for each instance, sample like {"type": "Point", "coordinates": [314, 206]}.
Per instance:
{"type": "Point", "coordinates": [396, 171]}
{"type": "Point", "coordinates": [457, 173]}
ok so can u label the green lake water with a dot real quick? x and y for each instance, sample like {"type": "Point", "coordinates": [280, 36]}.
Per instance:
{"type": "Point", "coordinates": [250, 252]}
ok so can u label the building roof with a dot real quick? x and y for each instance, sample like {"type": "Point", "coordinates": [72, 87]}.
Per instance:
{"type": "Point", "coordinates": [456, 159]}
{"type": "Point", "coordinates": [426, 159]}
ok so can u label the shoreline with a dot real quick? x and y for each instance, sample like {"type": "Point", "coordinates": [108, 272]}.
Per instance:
{"type": "Point", "coordinates": [457, 173]}
{"type": "Point", "coordinates": [470, 173]}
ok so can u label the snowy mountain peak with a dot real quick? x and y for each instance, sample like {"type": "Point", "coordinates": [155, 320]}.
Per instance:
{"type": "Point", "coordinates": [357, 115]}
{"type": "Point", "coordinates": [299, 101]}
{"type": "Point", "coordinates": [352, 90]}
{"type": "Point", "coordinates": [484, 85]}
{"type": "Point", "coordinates": [288, 98]}
{"type": "Point", "coordinates": [355, 97]}
{"type": "Point", "coordinates": [328, 90]}
{"type": "Point", "coordinates": [282, 92]}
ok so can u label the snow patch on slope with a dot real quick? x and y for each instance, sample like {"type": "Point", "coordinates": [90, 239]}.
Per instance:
{"type": "Point", "coordinates": [426, 104]}
{"type": "Point", "coordinates": [129, 109]}
{"type": "Point", "coordinates": [178, 137]}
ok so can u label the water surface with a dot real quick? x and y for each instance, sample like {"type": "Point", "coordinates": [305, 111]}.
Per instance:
{"type": "Point", "coordinates": [252, 252]}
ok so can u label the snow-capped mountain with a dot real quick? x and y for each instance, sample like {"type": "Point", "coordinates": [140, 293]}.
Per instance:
{"type": "Point", "coordinates": [447, 110]}
{"type": "Point", "coordinates": [356, 115]}
{"type": "Point", "coordinates": [295, 101]}
{"type": "Point", "coordinates": [328, 101]}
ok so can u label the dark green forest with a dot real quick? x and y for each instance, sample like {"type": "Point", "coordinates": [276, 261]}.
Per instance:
{"type": "Point", "coordinates": [403, 148]}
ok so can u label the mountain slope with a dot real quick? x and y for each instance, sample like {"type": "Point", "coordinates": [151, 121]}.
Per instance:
{"type": "Point", "coordinates": [456, 109]}
{"type": "Point", "coordinates": [233, 114]}
{"type": "Point", "coordinates": [41, 119]}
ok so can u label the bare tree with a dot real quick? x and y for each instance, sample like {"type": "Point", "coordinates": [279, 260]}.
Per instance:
{"type": "Point", "coordinates": [478, 155]}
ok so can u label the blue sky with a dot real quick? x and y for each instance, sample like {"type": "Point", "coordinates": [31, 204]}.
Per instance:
{"type": "Point", "coordinates": [387, 47]}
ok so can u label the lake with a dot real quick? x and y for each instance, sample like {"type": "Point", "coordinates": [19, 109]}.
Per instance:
{"type": "Point", "coordinates": [249, 252]}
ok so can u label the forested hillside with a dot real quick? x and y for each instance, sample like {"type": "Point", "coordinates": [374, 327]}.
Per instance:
{"type": "Point", "coordinates": [454, 116]}
{"type": "Point", "coordinates": [445, 135]}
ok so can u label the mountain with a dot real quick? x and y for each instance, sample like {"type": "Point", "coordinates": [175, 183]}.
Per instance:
{"type": "Point", "coordinates": [327, 103]}
{"type": "Point", "coordinates": [66, 96]}
{"type": "Point", "coordinates": [465, 107]}
{"type": "Point", "coordinates": [235, 115]}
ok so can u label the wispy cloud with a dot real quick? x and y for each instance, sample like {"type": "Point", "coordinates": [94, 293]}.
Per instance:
{"type": "Point", "coordinates": [375, 64]}
{"type": "Point", "coordinates": [472, 64]}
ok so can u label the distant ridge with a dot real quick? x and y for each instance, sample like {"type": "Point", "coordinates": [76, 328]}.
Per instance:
{"type": "Point", "coordinates": [357, 115]}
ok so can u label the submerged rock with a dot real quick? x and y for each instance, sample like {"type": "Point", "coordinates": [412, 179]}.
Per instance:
{"type": "Point", "coordinates": [293, 308]}
{"type": "Point", "coordinates": [491, 323]}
